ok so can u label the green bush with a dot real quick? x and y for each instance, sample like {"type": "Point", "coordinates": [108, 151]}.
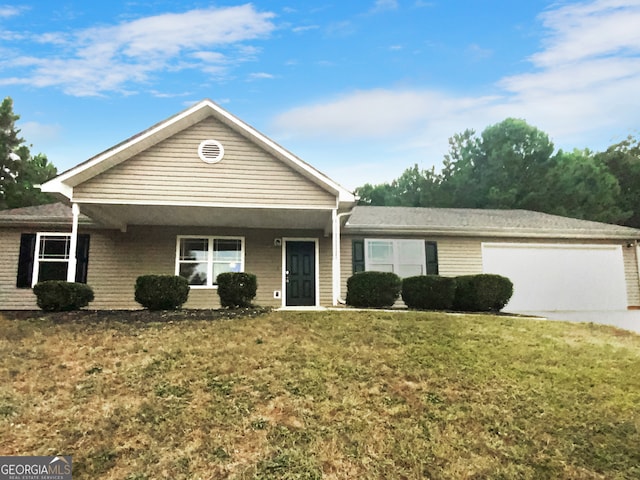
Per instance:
{"type": "Point", "coordinates": [60, 296]}
{"type": "Point", "coordinates": [482, 293]}
{"type": "Point", "coordinates": [161, 292]}
{"type": "Point", "coordinates": [429, 292]}
{"type": "Point", "coordinates": [373, 289]}
{"type": "Point", "coordinates": [236, 289]}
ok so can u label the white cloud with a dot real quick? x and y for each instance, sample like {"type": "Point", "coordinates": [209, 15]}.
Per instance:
{"type": "Point", "coordinates": [118, 57]}
{"type": "Point", "coordinates": [586, 30]}
{"type": "Point", "coordinates": [373, 113]}
{"type": "Point", "coordinates": [478, 53]}
{"type": "Point", "coordinates": [384, 5]}
{"type": "Point", "coordinates": [305, 28]}
{"type": "Point", "coordinates": [7, 11]}
{"type": "Point", "coordinates": [261, 76]}
{"type": "Point", "coordinates": [583, 89]}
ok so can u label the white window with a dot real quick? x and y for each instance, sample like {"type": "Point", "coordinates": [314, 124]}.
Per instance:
{"type": "Point", "coordinates": [405, 258]}
{"type": "Point", "coordinates": [51, 259]}
{"type": "Point", "coordinates": [201, 259]}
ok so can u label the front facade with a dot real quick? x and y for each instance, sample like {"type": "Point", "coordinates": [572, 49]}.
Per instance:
{"type": "Point", "coordinates": [203, 193]}
{"type": "Point", "coordinates": [555, 263]}
{"type": "Point", "coordinates": [196, 195]}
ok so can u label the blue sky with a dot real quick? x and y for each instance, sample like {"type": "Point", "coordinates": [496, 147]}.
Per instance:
{"type": "Point", "coordinates": [361, 90]}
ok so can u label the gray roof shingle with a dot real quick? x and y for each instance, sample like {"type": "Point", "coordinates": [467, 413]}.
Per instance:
{"type": "Point", "coordinates": [480, 222]}
{"type": "Point", "coordinates": [50, 214]}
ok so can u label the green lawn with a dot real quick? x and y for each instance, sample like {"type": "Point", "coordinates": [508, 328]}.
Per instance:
{"type": "Point", "coordinates": [336, 395]}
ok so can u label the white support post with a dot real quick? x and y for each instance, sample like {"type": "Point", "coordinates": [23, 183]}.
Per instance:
{"type": "Point", "coordinates": [335, 270]}
{"type": "Point", "coordinates": [73, 261]}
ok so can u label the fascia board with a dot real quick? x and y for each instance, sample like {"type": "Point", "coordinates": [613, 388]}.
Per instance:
{"type": "Point", "coordinates": [501, 233]}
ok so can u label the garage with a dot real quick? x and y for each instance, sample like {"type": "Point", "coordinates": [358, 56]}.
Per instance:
{"type": "Point", "coordinates": [550, 277]}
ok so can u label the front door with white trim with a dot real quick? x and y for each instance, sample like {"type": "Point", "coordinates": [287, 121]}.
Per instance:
{"type": "Point", "coordinates": [300, 273]}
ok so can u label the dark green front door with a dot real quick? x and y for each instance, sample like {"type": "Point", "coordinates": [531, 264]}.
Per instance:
{"type": "Point", "coordinates": [300, 276]}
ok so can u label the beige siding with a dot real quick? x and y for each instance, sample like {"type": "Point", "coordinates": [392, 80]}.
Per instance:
{"type": "Point", "coordinates": [463, 256]}
{"type": "Point", "coordinates": [326, 283]}
{"type": "Point", "coordinates": [116, 259]}
{"type": "Point", "coordinates": [172, 171]}
{"type": "Point", "coordinates": [458, 256]}
{"type": "Point", "coordinates": [630, 256]}
{"type": "Point", "coordinates": [12, 298]}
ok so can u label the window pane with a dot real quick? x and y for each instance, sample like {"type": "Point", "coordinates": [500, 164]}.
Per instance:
{"type": "Point", "coordinates": [380, 251]}
{"type": "Point", "coordinates": [411, 258]}
{"type": "Point", "coordinates": [195, 273]}
{"type": "Point", "coordinates": [52, 271]}
{"type": "Point", "coordinates": [54, 247]}
{"type": "Point", "coordinates": [405, 271]}
{"type": "Point", "coordinates": [411, 251]}
{"type": "Point", "coordinates": [219, 268]}
{"type": "Point", "coordinates": [227, 250]}
{"type": "Point", "coordinates": [201, 260]}
{"type": "Point", "coordinates": [194, 249]}
{"type": "Point", "coordinates": [382, 267]}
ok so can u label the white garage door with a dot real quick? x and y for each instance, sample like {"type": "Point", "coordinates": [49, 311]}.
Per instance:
{"type": "Point", "coordinates": [559, 277]}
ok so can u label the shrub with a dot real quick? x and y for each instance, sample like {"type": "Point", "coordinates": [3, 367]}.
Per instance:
{"type": "Point", "coordinates": [482, 293]}
{"type": "Point", "coordinates": [373, 289]}
{"type": "Point", "coordinates": [60, 296]}
{"type": "Point", "coordinates": [236, 289]}
{"type": "Point", "coordinates": [161, 292]}
{"type": "Point", "coordinates": [429, 292]}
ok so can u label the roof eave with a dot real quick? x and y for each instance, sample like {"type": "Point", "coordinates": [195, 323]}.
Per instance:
{"type": "Point", "coordinates": [500, 233]}
{"type": "Point", "coordinates": [40, 222]}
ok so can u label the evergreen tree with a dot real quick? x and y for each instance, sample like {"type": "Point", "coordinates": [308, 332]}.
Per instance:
{"type": "Point", "coordinates": [19, 170]}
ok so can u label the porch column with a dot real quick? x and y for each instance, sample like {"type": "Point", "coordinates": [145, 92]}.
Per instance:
{"type": "Point", "coordinates": [335, 265]}
{"type": "Point", "coordinates": [73, 261]}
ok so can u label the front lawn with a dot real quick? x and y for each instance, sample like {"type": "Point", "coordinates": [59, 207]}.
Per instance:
{"type": "Point", "coordinates": [336, 395]}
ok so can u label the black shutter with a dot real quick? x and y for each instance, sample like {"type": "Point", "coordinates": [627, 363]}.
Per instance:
{"type": "Point", "coordinates": [25, 260]}
{"type": "Point", "coordinates": [357, 255]}
{"type": "Point", "coordinates": [431, 250]}
{"type": "Point", "coordinates": [82, 257]}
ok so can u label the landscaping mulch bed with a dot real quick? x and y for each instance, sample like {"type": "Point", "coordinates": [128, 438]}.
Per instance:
{"type": "Point", "coordinates": [143, 315]}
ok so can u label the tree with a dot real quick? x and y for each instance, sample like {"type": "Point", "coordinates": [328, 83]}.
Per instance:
{"type": "Point", "coordinates": [512, 165]}
{"type": "Point", "coordinates": [506, 167]}
{"type": "Point", "coordinates": [381, 194]}
{"type": "Point", "coordinates": [581, 186]}
{"type": "Point", "coordinates": [623, 161]}
{"type": "Point", "coordinates": [9, 142]}
{"type": "Point", "coordinates": [414, 188]}
{"type": "Point", "coordinates": [19, 170]}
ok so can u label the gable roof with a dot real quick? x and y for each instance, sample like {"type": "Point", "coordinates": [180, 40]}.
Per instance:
{"type": "Point", "coordinates": [50, 214]}
{"type": "Point", "coordinates": [477, 222]}
{"type": "Point", "coordinates": [64, 183]}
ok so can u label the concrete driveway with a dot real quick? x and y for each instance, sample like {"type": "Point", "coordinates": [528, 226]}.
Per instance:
{"type": "Point", "coordinates": [626, 319]}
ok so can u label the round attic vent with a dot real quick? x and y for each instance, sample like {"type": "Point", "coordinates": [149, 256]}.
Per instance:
{"type": "Point", "coordinates": [210, 151]}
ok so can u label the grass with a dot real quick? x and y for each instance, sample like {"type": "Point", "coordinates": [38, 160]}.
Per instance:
{"type": "Point", "coordinates": [334, 395]}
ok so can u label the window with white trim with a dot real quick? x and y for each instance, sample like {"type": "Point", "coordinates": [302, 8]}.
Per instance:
{"type": "Point", "coordinates": [404, 257]}
{"type": "Point", "coordinates": [201, 259]}
{"type": "Point", "coordinates": [51, 257]}
{"type": "Point", "coordinates": [45, 256]}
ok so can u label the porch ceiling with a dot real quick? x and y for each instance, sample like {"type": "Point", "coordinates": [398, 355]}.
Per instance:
{"type": "Point", "coordinates": [120, 216]}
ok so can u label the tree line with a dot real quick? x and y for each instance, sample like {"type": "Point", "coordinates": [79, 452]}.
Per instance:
{"type": "Point", "coordinates": [513, 165]}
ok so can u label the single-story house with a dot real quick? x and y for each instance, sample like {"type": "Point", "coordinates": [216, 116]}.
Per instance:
{"type": "Point", "coordinates": [203, 193]}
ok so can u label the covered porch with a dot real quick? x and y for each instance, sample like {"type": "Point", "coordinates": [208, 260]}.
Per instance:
{"type": "Point", "coordinates": [295, 253]}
